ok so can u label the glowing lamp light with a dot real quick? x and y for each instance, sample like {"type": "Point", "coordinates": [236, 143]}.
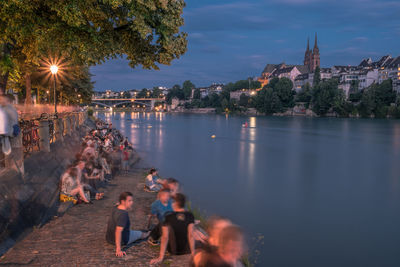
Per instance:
{"type": "Point", "coordinates": [53, 69]}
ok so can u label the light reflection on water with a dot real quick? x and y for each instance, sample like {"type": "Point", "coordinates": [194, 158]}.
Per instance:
{"type": "Point", "coordinates": [323, 192]}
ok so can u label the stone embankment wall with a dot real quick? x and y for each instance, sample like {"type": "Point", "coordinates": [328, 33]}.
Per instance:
{"type": "Point", "coordinates": [29, 188]}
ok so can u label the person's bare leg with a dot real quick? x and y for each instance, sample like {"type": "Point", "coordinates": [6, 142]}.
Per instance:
{"type": "Point", "coordinates": [79, 190]}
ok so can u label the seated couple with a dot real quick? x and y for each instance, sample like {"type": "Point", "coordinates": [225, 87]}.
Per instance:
{"type": "Point", "coordinates": [155, 184]}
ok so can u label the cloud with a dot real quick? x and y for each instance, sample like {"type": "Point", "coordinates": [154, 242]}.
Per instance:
{"type": "Point", "coordinates": [361, 39]}
{"type": "Point", "coordinates": [231, 39]}
{"type": "Point", "coordinates": [211, 49]}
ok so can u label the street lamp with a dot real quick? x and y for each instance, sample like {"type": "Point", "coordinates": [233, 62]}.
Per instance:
{"type": "Point", "coordinates": [54, 69]}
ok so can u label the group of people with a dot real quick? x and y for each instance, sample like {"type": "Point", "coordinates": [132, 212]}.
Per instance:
{"type": "Point", "coordinates": [103, 151]}
{"type": "Point", "coordinates": [176, 229]}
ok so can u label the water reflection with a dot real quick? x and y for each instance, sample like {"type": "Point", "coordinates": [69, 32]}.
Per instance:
{"type": "Point", "coordinates": [310, 186]}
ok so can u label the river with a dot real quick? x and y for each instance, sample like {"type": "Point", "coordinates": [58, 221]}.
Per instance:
{"type": "Point", "coordinates": [322, 192]}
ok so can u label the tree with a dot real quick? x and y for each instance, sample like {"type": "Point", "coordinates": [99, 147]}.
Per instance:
{"type": "Point", "coordinates": [127, 94]}
{"type": "Point", "coordinates": [175, 91]}
{"type": "Point", "coordinates": [143, 93]}
{"type": "Point", "coordinates": [317, 76]}
{"type": "Point", "coordinates": [305, 94]}
{"type": "Point", "coordinates": [156, 92]}
{"type": "Point", "coordinates": [242, 84]}
{"type": "Point", "coordinates": [197, 94]}
{"type": "Point", "coordinates": [244, 100]}
{"type": "Point", "coordinates": [376, 99]}
{"type": "Point", "coordinates": [187, 88]}
{"type": "Point", "coordinates": [272, 103]}
{"type": "Point", "coordinates": [89, 32]}
{"type": "Point", "coordinates": [284, 90]}
{"type": "Point", "coordinates": [215, 100]}
{"type": "Point", "coordinates": [324, 95]}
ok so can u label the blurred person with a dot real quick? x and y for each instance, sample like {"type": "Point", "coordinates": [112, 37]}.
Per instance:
{"type": "Point", "coordinates": [177, 231]}
{"type": "Point", "coordinates": [70, 187]}
{"type": "Point", "coordinates": [159, 208]}
{"type": "Point", "coordinates": [229, 251]}
{"type": "Point", "coordinates": [173, 185]}
{"type": "Point", "coordinates": [209, 242]}
{"type": "Point", "coordinates": [118, 227]}
{"type": "Point", "coordinates": [125, 160]}
{"type": "Point", "coordinates": [12, 115]}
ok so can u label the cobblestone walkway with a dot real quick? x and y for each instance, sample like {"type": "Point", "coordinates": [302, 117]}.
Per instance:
{"type": "Point", "coordinates": [78, 238]}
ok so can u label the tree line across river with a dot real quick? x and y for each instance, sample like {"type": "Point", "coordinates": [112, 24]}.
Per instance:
{"type": "Point", "coordinates": [323, 97]}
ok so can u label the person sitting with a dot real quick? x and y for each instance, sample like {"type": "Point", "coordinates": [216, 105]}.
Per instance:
{"type": "Point", "coordinates": [177, 231]}
{"type": "Point", "coordinates": [153, 183]}
{"type": "Point", "coordinates": [159, 208]}
{"type": "Point", "coordinates": [89, 151]}
{"type": "Point", "coordinates": [70, 187]}
{"type": "Point", "coordinates": [89, 180]}
{"type": "Point", "coordinates": [229, 250]}
{"type": "Point", "coordinates": [208, 243]}
{"type": "Point", "coordinates": [118, 227]}
{"type": "Point", "coordinates": [173, 185]}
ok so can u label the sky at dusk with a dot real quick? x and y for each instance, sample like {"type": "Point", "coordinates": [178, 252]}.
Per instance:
{"type": "Point", "coordinates": [233, 40]}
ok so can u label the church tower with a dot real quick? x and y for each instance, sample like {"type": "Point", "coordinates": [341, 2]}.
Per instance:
{"type": "Point", "coordinates": [315, 56]}
{"type": "Point", "coordinates": [308, 55]}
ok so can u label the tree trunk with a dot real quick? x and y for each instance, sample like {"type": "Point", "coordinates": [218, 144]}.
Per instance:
{"type": "Point", "coordinates": [37, 96]}
{"type": "Point", "coordinates": [4, 76]}
{"type": "Point", "coordinates": [28, 87]}
{"type": "Point", "coordinates": [3, 83]}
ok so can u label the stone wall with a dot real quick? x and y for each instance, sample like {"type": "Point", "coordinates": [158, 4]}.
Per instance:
{"type": "Point", "coordinates": [30, 197]}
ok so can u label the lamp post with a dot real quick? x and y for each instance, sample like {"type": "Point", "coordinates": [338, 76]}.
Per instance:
{"type": "Point", "coordinates": [54, 69]}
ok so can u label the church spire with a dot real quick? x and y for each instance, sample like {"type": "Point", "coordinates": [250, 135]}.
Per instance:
{"type": "Point", "coordinates": [315, 44]}
{"type": "Point", "coordinates": [308, 44]}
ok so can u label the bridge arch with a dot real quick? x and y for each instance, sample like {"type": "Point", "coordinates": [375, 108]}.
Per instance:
{"type": "Point", "coordinates": [121, 103]}
{"type": "Point", "coordinates": [133, 103]}
{"type": "Point", "coordinates": [101, 104]}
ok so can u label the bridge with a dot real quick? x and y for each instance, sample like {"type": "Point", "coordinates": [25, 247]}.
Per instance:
{"type": "Point", "coordinates": [115, 102]}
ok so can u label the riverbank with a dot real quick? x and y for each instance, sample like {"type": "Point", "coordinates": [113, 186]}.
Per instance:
{"type": "Point", "coordinates": [30, 199]}
{"type": "Point", "coordinates": [78, 238]}
{"type": "Point", "coordinates": [37, 230]}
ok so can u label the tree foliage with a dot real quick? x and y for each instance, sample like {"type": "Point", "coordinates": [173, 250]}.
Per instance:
{"type": "Point", "coordinates": [276, 96]}
{"type": "Point", "coordinates": [317, 76]}
{"type": "Point", "coordinates": [242, 84]}
{"type": "Point", "coordinates": [187, 87]}
{"type": "Point", "coordinates": [324, 95]}
{"type": "Point", "coordinates": [88, 32]}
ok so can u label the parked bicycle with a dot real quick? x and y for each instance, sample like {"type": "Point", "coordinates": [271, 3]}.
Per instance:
{"type": "Point", "coordinates": [50, 118]}
{"type": "Point", "coordinates": [30, 135]}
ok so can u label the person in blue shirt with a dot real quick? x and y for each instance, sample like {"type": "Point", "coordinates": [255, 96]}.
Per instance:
{"type": "Point", "coordinates": [160, 208]}
{"type": "Point", "coordinates": [153, 182]}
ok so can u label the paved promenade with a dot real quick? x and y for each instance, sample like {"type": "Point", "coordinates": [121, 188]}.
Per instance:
{"type": "Point", "coordinates": [78, 238]}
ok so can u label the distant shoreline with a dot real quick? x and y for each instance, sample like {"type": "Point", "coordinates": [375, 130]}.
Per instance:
{"type": "Point", "coordinates": [249, 112]}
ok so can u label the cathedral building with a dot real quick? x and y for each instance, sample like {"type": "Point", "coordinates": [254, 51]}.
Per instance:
{"type": "Point", "coordinates": [311, 61]}
{"type": "Point", "coordinates": [311, 57]}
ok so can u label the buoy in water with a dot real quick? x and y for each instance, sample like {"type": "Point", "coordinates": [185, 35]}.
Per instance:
{"type": "Point", "coordinates": [213, 136]}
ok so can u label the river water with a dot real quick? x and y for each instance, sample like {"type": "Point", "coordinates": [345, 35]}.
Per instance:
{"type": "Point", "coordinates": [322, 192]}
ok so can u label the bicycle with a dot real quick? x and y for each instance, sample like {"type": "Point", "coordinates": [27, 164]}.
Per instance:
{"type": "Point", "coordinates": [50, 118]}
{"type": "Point", "coordinates": [30, 136]}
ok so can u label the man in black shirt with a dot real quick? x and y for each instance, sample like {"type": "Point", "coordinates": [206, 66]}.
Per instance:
{"type": "Point", "coordinates": [177, 230]}
{"type": "Point", "coordinates": [118, 228]}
